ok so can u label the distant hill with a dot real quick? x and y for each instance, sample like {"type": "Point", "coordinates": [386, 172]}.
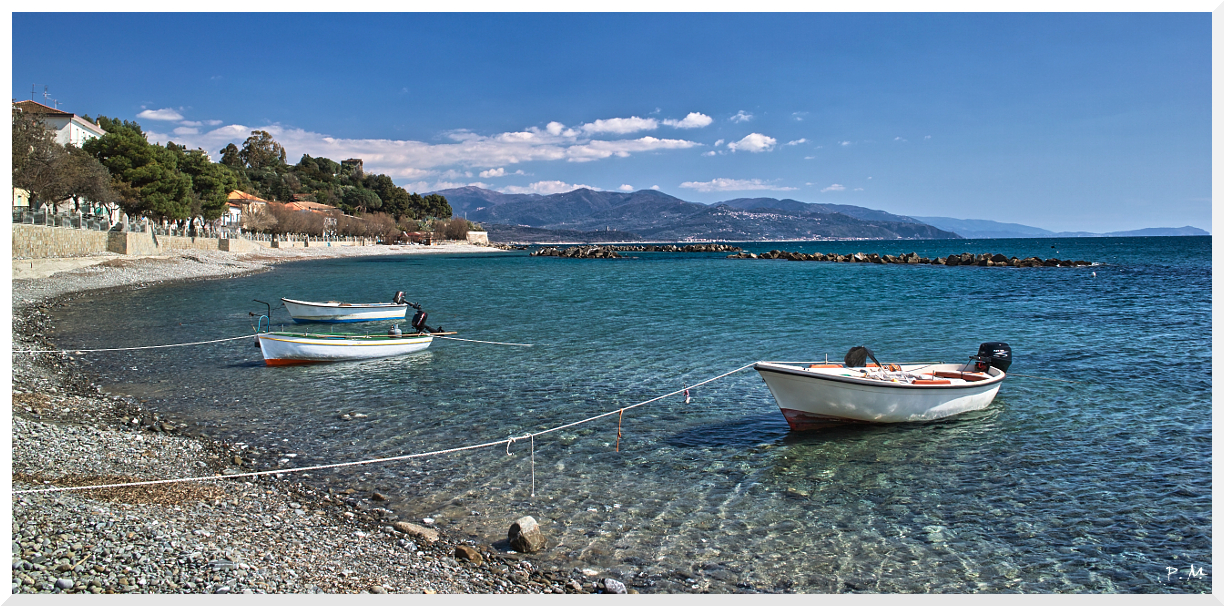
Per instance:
{"type": "Point", "coordinates": [858, 212]}
{"type": "Point", "coordinates": [656, 216]}
{"type": "Point", "coordinates": [982, 229]}
{"type": "Point", "coordinates": [519, 233]}
{"type": "Point", "coordinates": [470, 199]}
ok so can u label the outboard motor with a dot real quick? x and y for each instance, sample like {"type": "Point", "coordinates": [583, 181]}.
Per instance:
{"type": "Point", "coordinates": [398, 299]}
{"type": "Point", "coordinates": [418, 321]}
{"type": "Point", "coordinates": [998, 355]}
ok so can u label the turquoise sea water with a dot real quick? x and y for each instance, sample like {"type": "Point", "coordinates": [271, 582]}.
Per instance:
{"type": "Point", "coordinates": [1096, 485]}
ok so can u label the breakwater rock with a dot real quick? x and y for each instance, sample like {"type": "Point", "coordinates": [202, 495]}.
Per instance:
{"type": "Point", "coordinates": [577, 252]}
{"type": "Point", "coordinates": [675, 248]}
{"type": "Point", "coordinates": [610, 251]}
{"type": "Point", "coordinates": [984, 259]}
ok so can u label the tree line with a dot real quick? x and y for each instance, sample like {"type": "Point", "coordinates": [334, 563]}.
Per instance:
{"type": "Point", "coordinates": [172, 182]}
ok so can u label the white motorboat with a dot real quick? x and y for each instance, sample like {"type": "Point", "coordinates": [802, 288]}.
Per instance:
{"type": "Point", "coordinates": [335, 311]}
{"type": "Point", "coordinates": [285, 348]}
{"type": "Point", "coordinates": [819, 395]}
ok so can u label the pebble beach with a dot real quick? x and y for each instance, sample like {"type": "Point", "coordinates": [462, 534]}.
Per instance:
{"type": "Point", "coordinates": [266, 534]}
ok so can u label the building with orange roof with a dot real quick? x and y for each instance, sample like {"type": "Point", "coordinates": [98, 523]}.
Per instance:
{"type": "Point", "coordinates": [239, 202]}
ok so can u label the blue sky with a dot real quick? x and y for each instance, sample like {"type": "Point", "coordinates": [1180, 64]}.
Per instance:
{"type": "Point", "coordinates": [1092, 122]}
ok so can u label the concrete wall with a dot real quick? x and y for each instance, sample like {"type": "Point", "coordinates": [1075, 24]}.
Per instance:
{"type": "Point", "coordinates": [237, 245]}
{"type": "Point", "coordinates": [41, 242]}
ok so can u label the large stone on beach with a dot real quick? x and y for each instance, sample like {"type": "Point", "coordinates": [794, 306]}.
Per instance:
{"type": "Point", "coordinates": [525, 535]}
{"type": "Point", "coordinates": [463, 552]}
{"type": "Point", "coordinates": [421, 532]}
{"type": "Point", "coordinates": [614, 586]}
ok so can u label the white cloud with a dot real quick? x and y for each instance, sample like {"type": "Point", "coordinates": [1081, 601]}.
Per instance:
{"type": "Point", "coordinates": [927, 137]}
{"type": "Point", "coordinates": [718, 142]}
{"type": "Point", "coordinates": [159, 114]}
{"type": "Point", "coordinates": [620, 126]}
{"type": "Point", "coordinates": [414, 160]}
{"type": "Point", "coordinates": [186, 130]}
{"type": "Point", "coordinates": [834, 187]}
{"type": "Point", "coordinates": [693, 120]}
{"type": "Point", "coordinates": [554, 128]}
{"type": "Point", "coordinates": [710, 153]}
{"type": "Point", "coordinates": [755, 143]}
{"type": "Point", "coordinates": [809, 158]}
{"type": "Point", "coordinates": [626, 187]}
{"type": "Point", "coordinates": [597, 150]}
{"type": "Point", "coordinates": [733, 185]}
{"type": "Point", "coordinates": [742, 116]}
{"type": "Point", "coordinates": [843, 143]}
{"type": "Point", "coordinates": [900, 139]}
{"type": "Point", "coordinates": [654, 187]}
{"type": "Point", "coordinates": [798, 116]}
{"type": "Point", "coordinates": [544, 187]}
{"type": "Point", "coordinates": [858, 189]}
{"type": "Point", "coordinates": [796, 142]}
{"type": "Point", "coordinates": [492, 172]}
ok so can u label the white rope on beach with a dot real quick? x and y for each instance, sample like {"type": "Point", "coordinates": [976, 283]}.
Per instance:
{"type": "Point", "coordinates": [16, 351]}
{"type": "Point", "coordinates": [486, 342]}
{"type": "Point", "coordinates": [507, 442]}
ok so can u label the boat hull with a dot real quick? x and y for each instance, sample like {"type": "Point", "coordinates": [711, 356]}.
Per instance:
{"type": "Point", "coordinates": [283, 349]}
{"type": "Point", "coordinates": [333, 312]}
{"type": "Point", "coordinates": [810, 399]}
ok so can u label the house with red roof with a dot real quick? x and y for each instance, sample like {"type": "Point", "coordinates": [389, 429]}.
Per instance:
{"type": "Point", "coordinates": [69, 128]}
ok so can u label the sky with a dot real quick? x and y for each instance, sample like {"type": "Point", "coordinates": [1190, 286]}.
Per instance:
{"type": "Point", "coordinates": [1065, 121]}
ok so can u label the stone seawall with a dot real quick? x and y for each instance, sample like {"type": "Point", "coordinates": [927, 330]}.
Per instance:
{"type": "Point", "coordinates": [41, 242]}
{"type": "Point", "coordinates": [143, 243]}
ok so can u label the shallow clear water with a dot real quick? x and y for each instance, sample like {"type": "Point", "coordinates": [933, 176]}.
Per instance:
{"type": "Point", "coordinates": [1099, 485]}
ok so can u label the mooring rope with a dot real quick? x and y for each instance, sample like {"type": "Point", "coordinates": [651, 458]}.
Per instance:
{"type": "Point", "coordinates": [486, 342]}
{"type": "Point", "coordinates": [507, 442]}
{"type": "Point", "coordinates": [80, 351]}
{"type": "Point", "coordinates": [65, 351]}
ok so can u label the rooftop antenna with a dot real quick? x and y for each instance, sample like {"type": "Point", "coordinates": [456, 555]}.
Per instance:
{"type": "Point", "coordinates": [46, 94]}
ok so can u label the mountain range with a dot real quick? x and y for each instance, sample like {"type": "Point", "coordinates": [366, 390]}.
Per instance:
{"type": "Point", "coordinates": [982, 229]}
{"type": "Point", "coordinates": [650, 215]}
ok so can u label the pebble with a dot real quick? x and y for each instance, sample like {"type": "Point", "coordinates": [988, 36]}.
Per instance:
{"type": "Point", "coordinates": [216, 537]}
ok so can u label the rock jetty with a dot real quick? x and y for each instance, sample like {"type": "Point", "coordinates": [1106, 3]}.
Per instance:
{"type": "Point", "coordinates": [983, 260]}
{"type": "Point", "coordinates": [610, 251]}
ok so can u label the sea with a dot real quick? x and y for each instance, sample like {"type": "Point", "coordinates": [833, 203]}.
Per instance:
{"type": "Point", "coordinates": [1089, 473]}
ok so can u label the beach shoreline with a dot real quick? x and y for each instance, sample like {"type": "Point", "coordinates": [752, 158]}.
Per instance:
{"type": "Point", "coordinates": [262, 534]}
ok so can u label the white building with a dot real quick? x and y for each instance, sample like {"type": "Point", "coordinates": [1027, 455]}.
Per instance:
{"type": "Point", "coordinates": [68, 127]}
